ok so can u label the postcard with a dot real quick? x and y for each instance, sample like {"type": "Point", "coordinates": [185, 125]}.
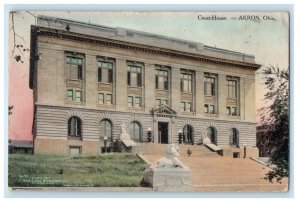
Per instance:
{"type": "Point", "coordinates": [132, 101]}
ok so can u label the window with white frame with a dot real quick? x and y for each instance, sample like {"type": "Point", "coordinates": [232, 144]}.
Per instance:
{"type": "Point", "coordinates": [186, 82]}
{"type": "Point", "coordinates": [209, 109]}
{"type": "Point", "coordinates": [74, 67]}
{"type": "Point", "coordinates": [162, 79]}
{"type": "Point", "coordinates": [210, 86]}
{"type": "Point", "coordinates": [134, 75]}
{"type": "Point", "coordinates": [74, 95]}
{"type": "Point", "coordinates": [105, 72]}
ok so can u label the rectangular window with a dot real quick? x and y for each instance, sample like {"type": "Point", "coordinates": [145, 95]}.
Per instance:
{"type": "Point", "coordinates": [164, 102]}
{"type": "Point", "coordinates": [209, 86]}
{"type": "Point", "coordinates": [101, 98]}
{"type": "Point", "coordinates": [228, 111]}
{"type": "Point", "coordinates": [158, 102]}
{"type": "Point", "coordinates": [161, 79]}
{"type": "Point", "coordinates": [105, 72]}
{"type": "Point", "coordinates": [211, 109]}
{"type": "Point", "coordinates": [130, 101]}
{"type": "Point", "coordinates": [206, 109]}
{"type": "Point", "coordinates": [188, 107]}
{"type": "Point", "coordinates": [74, 70]}
{"type": "Point", "coordinates": [182, 106]}
{"type": "Point", "coordinates": [186, 82]}
{"type": "Point", "coordinates": [134, 76]}
{"type": "Point", "coordinates": [138, 101]}
{"type": "Point", "coordinates": [78, 96]}
{"type": "Point", "coordinates": [70, 95]}
{"type": "Point", "coordinates": [233, 111]}
{"type": "Point", "coordinates": [232, 88]}
{"type": "Point", "coordinates": [108, 99]}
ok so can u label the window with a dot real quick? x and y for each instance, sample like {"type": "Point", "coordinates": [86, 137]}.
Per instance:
{"type": "Point", "coordinates": [209, 86]}
{"type": "Point", "coordinates": [135, 132]}
{"type": "Point", "coordinates": [101, 98]}
{"type": "Point", "coordinates": [71, 96]}
{"type": "Point", "coordinates": [108, 99]}
{"type": "Point", "coordinates": [164, 102]}
{"type": "Point", "coordinates": [232, 88]}
{"type": "Point", "coordinates": [186, 106]}
{"type": "Point", "coordinates": [186, 82]}
{"type": "Point", "coordinates": [188, 134]}
{"type": "Point", "coordinates": [74, 127]}
{"type": "Point", "coordinates": [134, 76]}
{"type": "Point", "coordinates": [161, 79]}
{"type": "Point", "coordinates": [74, 70]}
{"type": "Point", "coordinates": [158, 102]}
{"type": "Point", "coordinates": [234, 137]}
{"type": "Point", "coordinates": [137, 101]}
{"type": "Point", "coordinates": [232, 111]}
{"type": "Point", "coordinates": [105, 72]}
{"type": "Point", "coordinates": [130, 101]}
{"type": "Point", "coordinates": [78, 96]}
{"type": "Point", "coordinates": [106, 130]}
{"type": "Point", "coordinates": [210, 109]}
{"type": "Point", "coordinates": [161, 102]}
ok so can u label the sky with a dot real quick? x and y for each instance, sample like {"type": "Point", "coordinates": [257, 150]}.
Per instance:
{"type": "Point", "coordinates": [267, 39]}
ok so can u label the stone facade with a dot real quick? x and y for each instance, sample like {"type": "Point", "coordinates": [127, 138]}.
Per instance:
{"type": "Point", "coordinates": [105, 77]}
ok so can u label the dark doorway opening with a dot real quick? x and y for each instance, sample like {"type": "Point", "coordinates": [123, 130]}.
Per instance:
{"type": "Point", "coordinates": [163, 132]}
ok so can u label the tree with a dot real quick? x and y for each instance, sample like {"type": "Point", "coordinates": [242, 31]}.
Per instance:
{"type": "Point", "coordinates": [275, 118]}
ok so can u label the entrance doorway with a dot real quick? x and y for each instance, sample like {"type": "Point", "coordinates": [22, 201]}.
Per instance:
{"type": "Point", "coordinates": [163, 132]}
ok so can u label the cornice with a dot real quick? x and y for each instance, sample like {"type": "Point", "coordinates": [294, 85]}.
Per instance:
{"type": "Point", "coordinates": [48, 32]}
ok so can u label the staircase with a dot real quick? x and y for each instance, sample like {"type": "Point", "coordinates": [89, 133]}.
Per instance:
{"type": "Point", "coordinates": [212, 172]}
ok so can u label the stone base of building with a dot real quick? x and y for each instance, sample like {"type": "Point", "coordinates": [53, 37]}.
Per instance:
{"type": "Point", "coordinates": [169, 179]}
{"type": "Point", "coordinates": [66, 147]}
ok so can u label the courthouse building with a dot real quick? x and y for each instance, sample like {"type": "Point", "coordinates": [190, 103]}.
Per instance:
{"type": "Point", "coordinates": [88, 80]}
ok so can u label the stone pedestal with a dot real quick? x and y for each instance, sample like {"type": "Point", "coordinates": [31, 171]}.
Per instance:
{"type": "Point", "coordinates": [169, 179]}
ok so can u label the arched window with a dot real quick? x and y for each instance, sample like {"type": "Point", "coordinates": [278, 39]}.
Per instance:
{"type": "Point", "coordinates": [106, 130]}
{"type": "Point", "coordinates": [135, 132]}
{"type": "Point", "coordinates": [188, 136]}
{"type": "Point", "coordinates": [74, 127]}
{"type": "Point", "coordinates": [234, 137]}
{"type": "Point", "coordinates": [211, 134]}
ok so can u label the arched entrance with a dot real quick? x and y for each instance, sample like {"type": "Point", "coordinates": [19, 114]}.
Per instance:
{"type": "Point", "coordinates": [135, 132]}
{"type": "Point", "coordinates": [234, 137]}
{"type": "Point", "coordinates": [188, 134]}
{"type": "Point", "coordinates": [212, 135]}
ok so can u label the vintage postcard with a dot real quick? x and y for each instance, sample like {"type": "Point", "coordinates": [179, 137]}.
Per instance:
{"type": "Point", "coordinates": [148, 101]}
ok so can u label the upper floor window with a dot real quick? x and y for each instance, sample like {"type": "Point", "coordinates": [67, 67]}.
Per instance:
{"type": "Point", "coordinates": [186, 82]}
{"type": "Point", "coordinates": [74, 126]}
{"type": "Point", "coordinates": [161, 102]}
{"type": "Point", "coordinates": [186, 106]}
{"type": "Point", "coordinates": [134, 76]}
{"type": "Point", "coordinates": [161, 79]}
{"type": "Point", "coordinates": [232, 88]}
{"type": "Point", "coordinates": [209, 108]}
{"type": "Point", "coordinates": [74, 67]}
{"type": "Point", "coordinates": [74, 95]}
{"type": "Point", "coordinates": [105, 72]}
{"type": "Point", "coordinates": [210, 86]}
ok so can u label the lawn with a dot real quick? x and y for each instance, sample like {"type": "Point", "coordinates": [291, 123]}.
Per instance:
{"type": "Point", "coordinates": [105, 170]}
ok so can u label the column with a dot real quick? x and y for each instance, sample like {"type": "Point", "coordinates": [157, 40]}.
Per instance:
{"type": "Point", "coordinates": [91, 92]}
{"type": "Point", "coordinates": [121, 85]}
{"type": "Point", "coordinates": [149, 87]}
{"type": "Point", "coordinates": [222, 96]}
{"type": "Point", "coordinates": [199, 101]}
{"type": "Point", "coordinates": [175, 89]}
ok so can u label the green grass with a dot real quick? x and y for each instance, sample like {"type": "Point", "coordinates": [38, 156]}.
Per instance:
{"type": "Point", "coordinates": [107, 170]}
